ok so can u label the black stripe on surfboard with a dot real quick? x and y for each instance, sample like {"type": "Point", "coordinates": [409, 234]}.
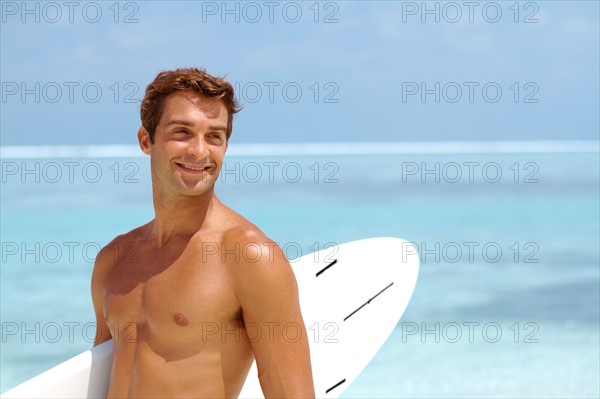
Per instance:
{"type": "Point", "coordinates": [335, 386]}
{"type": "Point", "coordinates": [369, 301]}
{"type": "Point", "coordinates": [326, 267]}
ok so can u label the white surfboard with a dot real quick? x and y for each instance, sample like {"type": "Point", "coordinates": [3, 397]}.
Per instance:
{"type": "Point", "coordinates": [352, 297]}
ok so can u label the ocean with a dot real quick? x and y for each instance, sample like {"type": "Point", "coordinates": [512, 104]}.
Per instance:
{"type": "Point", "coordinates": [508, 296]}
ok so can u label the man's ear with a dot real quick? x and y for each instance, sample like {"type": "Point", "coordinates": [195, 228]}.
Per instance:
{"type": "Point", "coordinates": [144, 140]}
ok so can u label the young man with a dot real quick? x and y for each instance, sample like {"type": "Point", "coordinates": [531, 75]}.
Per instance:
{"type": "Point", "coordinates": [192, 297]}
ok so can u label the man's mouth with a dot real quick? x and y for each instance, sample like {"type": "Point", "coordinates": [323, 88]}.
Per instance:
{"type": "Point", "coordinates": [195, 168]}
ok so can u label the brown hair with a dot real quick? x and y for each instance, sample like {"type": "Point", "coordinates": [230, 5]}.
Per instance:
{"type": "Point", "coordinates": [185, 79]}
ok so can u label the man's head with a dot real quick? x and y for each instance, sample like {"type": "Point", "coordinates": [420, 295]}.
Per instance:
{"type": "Point", "coordinates": [185, 80]}
{"type": "Point", "coordinates": [186, 124]}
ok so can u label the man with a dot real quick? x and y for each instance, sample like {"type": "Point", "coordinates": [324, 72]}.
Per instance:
{"type": "Point", "coordinates": [192, 297]}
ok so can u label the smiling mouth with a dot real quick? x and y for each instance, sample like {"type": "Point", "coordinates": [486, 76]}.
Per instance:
{"type": "Point", "coordinates": [193, 168]}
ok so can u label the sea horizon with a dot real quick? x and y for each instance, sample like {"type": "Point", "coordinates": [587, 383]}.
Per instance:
{"type": "Point", "coordinates": [318, 148]}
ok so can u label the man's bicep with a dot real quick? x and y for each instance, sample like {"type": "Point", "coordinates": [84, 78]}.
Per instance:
{"type": "Point", "coordinates": [276, 330]}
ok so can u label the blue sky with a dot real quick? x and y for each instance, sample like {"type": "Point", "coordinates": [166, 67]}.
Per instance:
{"type": "Point", "coordinates": [308, 71]}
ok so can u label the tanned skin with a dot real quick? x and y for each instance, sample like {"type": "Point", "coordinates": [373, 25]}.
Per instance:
{"type": "Point", "coordinates": [185, 296]}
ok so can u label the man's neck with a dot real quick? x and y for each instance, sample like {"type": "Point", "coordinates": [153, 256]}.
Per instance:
{"type": "Point", "coordinates": [180, 217]}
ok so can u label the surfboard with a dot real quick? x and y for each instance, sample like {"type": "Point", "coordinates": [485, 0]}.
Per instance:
{"type": "Point", "coordinates": [352, 297]}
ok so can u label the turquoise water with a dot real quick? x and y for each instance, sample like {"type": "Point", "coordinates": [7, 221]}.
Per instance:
{"type": "Point", "coordinates": [507, 302]}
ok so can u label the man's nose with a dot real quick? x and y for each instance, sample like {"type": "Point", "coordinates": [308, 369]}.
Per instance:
{"type": "Point", "coordinates": [197, 148]}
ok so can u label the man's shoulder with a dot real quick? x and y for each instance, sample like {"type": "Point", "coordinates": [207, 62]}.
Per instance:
{"type": "Point", "coordinates": [257, 266]}
{"type": "Point", "coordinates": [238, 229]}
{"type": "Point", "coordinates": [121, 244]}
{"type": "Point", "coordinates": [248, 241]}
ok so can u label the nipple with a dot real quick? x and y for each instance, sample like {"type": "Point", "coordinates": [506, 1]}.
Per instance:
{"type": "Point", "coordinates": [180, 319]}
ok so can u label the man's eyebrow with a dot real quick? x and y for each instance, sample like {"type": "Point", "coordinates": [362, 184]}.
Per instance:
{"type": "Point", "coordinates": [189, 124]}
{"type": "Point", "coordinates": [179, 122]}
{"type": "Point", "coordinates": [223, 128]}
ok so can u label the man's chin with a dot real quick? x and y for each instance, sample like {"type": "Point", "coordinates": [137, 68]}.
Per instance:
{"type": "Point", "coordinates": [196, 189]}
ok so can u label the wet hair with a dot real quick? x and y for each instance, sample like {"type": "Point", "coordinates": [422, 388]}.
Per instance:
{"type": "Point", "coordinates": [193, 80]}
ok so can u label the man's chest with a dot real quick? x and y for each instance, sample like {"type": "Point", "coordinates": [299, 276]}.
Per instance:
{"type": "Point", "coordinates": [179, 298]}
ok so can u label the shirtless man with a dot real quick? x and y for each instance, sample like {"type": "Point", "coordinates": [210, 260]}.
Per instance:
{"type": "Point", "coordinates": [192, 297]}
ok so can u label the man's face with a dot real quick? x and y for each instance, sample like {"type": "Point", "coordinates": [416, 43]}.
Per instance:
{"type": "Point", "coordinates": [189, 144]}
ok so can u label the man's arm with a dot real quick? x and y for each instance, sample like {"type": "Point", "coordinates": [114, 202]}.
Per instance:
{"type": "Point", "coordinates": [268, 294]}
{"type": "Point", "coordinates": [101, 267]}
